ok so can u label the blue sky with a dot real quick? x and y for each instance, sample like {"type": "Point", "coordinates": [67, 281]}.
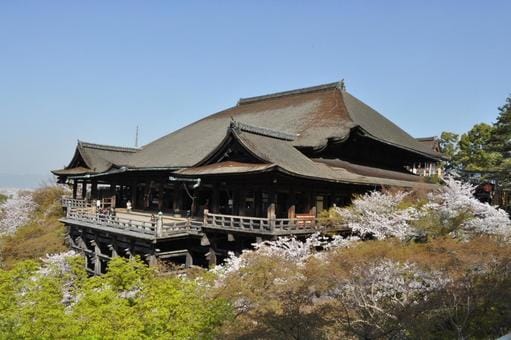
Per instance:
{"type": "Point", "coordinates": [93, 70]}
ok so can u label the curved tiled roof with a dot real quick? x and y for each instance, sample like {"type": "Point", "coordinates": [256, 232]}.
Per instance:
{"type": "Point", "coordinates": [304, 118]}
{"type": "Point", "coordinates": [96, 158]}
{"type": "Point", "coordinates": [277, 154]}
{"type": "Point", "coordinates": [314, 115]}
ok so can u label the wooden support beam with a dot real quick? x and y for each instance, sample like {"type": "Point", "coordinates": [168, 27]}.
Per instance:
{"type": "Point", "coordinates": [94, 190]}
{"type": "Point", "coordinates": [211, 257]}
{"type": "Point", "coordinates": [97, 257]}
{"type": "Point", "coordinates": [188, 260]}
{"type": "Point", "coordinates": [215, 199]}
{"type": "Point", "coordinates": [113, 249]}
{"type": "Point", "coordinates": [205, 241]}
{"type": "Point", "coordinates": [178, 198]}
{"type": "Point", "coordinates": [160, 195]}
{"type": "Point", "coordinates": [133, 188]}
{"type": "Point", "coordinates": [151, 259]}
{"type": "Point", "coordinates": [291, 212]}
{"type": "Point", "coordinates": [271, 215]}
{"type": "Point", "coordinates": [75, 188]}
{"type": "Point", "coordinates": [84, 189]}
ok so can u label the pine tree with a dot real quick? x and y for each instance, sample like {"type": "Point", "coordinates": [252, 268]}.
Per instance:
{"type": "Point", "coordinates": [501, 142]}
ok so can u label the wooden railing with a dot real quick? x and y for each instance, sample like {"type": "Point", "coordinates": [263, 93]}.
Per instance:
{"type": "Point", "coordinates": [157, 228]}
{"type": "Point", "coordinates": [167, 226]}
{"type": "Point", "coordinates": [69, 202]}
{"type": "Point", "coordinates": [237, 222]}
{"type": "Point", "coordinates": [260, 224]}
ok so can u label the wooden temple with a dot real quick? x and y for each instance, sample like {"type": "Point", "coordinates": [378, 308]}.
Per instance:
{"type": "Point", "coordinates": [263, 168]}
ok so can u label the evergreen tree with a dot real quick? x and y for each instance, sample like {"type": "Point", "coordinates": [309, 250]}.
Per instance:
{"type": "Point", "coordinates": [501, 142]}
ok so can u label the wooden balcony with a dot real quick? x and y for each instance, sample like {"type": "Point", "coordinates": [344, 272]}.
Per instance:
{"type": "Point", "coordinates": [132, 224]}
{"type": "Point", "coordinates": [150, 227]}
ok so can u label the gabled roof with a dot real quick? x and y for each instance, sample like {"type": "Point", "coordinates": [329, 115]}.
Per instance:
{"type": "Point", "coordinates": [315, 115]}
{"type": "Point", "coordinates": [274, 127]}
{"type": "Point", "coordinates": [432, 143]}
{"type": "Point", "coordinates": [278, 154]}
{"type": "Point", "coordinates": [96, 158]}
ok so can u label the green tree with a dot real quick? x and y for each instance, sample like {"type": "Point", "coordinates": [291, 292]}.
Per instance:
{"type": "Point", "coordinates": [129, 302]}
{"type": "Point", "coordinates": [470, 152]}
{"type": "Point", "coordinates": [474, 153]}
{"type": "Point", "coordinates": [501, 142]}
{"type": "Point", "coordinates": [449, 147]}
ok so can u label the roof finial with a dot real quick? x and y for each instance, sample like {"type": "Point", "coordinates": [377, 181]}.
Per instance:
{"type": "Point", "coordinates": [136, 137]}
{"type": "Point", "coordinates": [233, 124]}
{"type": "Point", "coordinates": [342, 85]}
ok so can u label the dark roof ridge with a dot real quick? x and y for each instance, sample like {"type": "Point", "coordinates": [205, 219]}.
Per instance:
{"type": "Point", "coordinates": [107, 147]}
{"type": "Point", "coordinates": [431, 138]}
{"type": "Point", "coordinates": [338, 84]}
{"type": "Point", "coordinates": [234, 125]}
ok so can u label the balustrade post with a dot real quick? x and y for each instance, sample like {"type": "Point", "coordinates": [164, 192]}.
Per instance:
{"type": "Point", "coordinates": [159, 225]}
{"type": "Point", "coordinates": [271, 216]}
{"type": "Point", "coordinates": [206, 212]}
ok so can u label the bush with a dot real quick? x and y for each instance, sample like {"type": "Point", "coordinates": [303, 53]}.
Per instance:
{"type": "Point", "coordinates": [130, 301]}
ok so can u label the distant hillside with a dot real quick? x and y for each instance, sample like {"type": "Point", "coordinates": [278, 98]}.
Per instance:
{"type": "Point", "coordinates": [29, 226]}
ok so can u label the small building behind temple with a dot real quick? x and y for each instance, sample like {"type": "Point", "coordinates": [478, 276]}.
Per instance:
{"type": "Point", "coordinates": [263, 168]}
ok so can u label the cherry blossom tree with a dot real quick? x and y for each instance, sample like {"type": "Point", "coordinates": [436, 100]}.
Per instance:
{"type": "Point", "coordinates": [15, 211]}
{"type": "Point", "coordinates": [379, 215]}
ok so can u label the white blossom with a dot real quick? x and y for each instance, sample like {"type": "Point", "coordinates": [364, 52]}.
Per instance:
{"type": "Point", "coordinates": [456, 198]}
{"type": "Point", "coordinates": [379, 215]}
{"type": "Point", "coordinates": [16, 210]}
{"type": "Point", "coordinates": [392, 281]}
{"type": "Point", "coordinates": [57, 265]}
{"type": "Point", "coordinates": [289, 248]}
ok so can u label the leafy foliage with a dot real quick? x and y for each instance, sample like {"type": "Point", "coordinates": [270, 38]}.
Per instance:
{"type": "Point", "coordinates": [484, 150]}
{"type": "Point", "coordinates": [130, 301]}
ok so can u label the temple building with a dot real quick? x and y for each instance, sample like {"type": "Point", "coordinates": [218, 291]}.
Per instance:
{"type": "Point", "coordinates": [265, 167]}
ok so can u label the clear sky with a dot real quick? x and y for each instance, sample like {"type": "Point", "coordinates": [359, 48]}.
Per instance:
{"type": "Point", "coordinates": [94, 70]}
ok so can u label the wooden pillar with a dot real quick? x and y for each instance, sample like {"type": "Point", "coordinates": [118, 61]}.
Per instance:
{"type": "Point", "coordinates": [160, 195]}
{"type": "Point", "coordinates": [83, 247]}
{"type": "Point", "coordinates": [215, 199]}
{"type": "Point", "coordinates": [97, 258]}
{"type": "Point", "coordinates": [211, 257]}
{"type": "Point", "coordinates": [113, 249]}
{"type": "Point", "coordinates": [113, 192]}
{"type": "Point", "coordinates": [94, 189]}
{"type": "Point", "coordinates": [146, 195]}
{"type": "Point", "coordinates": [258, 203]}
{"type": "Point", "coordinates": [133, 188]}
{"type": "Point", "coordinates": [84, 189]}
{"type": "Point", "coordinates": [291, 204]}
{"type": "Point", "coordinates": [236, 201]}
{"type": "Point", "coordinates": [178, 198]}
{"type": "Point", "coordinates": [241, 202]}
{"type": "Point", "coordinates": [152, 259]}
{"type": "Point", "coordinates": [291, 212]}
{"type": "Point", "coordinates": [75, 188]}
{"type": "Point", "coordinates": [271, 215]}
{"type": "Point", "coordinates": [189, 260]}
